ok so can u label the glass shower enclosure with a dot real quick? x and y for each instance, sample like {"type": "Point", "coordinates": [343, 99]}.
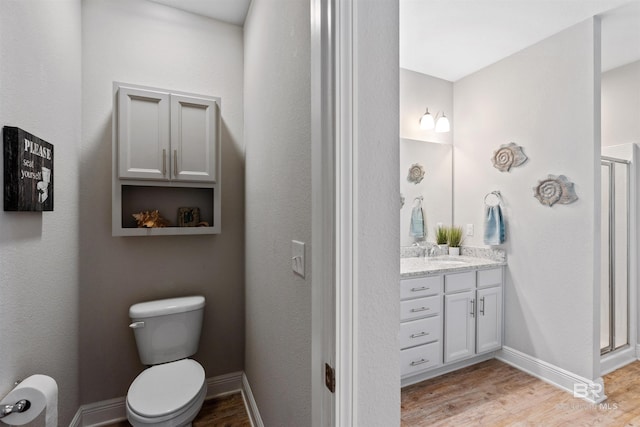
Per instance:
{"type": "Point", "coordinates": [614, 301]}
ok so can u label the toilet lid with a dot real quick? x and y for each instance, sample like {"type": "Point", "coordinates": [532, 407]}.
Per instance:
{"type": "Point", "coordinates": [164, 389]}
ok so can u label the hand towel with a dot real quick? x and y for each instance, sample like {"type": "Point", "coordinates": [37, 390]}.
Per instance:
{"type": "Point", "coordinates": [416, 228]}
{"type": "Point", "coordinates": [493, 226]}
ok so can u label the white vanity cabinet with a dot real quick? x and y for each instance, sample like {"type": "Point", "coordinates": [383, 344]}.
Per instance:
{"type": "Point", "coordinates": [420, 324]}
{"type": "Point", "coordinates": [167, 136]}
{"type": "Point", "coordinates": [166, 157]}
{"type": "Point", "coordinates": [448, 318]}
{"type": "Point", "coordinates": [473, 313]}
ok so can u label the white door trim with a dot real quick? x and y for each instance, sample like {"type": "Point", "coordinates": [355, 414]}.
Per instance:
{"type": "Point", "coordinates": [334, 208]}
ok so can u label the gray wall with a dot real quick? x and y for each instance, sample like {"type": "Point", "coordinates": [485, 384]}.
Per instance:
{"type": "Point", "coordinates": [378, 264]}
{"type": "Point", "coordinates": [145, 43]}
{"type": "Point", "coordinates": [545, 98]}
{"type": "Point", "coordinates": [621, 105]}
{"type": "Point", "coordinates": [278, 209]}
{"type": "Point", "coordinates": [40, 93]}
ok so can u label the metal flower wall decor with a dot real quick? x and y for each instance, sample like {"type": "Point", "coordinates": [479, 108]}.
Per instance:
{"type": "Point", "coordinates": [508, 156]}
{"type": "Point", "coordinates": [416, 173]}
{"type": "Point", "coordinates": [555, 189]}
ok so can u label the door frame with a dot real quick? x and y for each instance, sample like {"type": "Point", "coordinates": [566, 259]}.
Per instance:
{"type": "Point", "coordinates": [334, 211]}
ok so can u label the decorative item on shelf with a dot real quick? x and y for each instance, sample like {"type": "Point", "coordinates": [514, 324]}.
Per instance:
{"type": "Point", "coordinates": [454, 239]}
{"type": "Point", "coordinates": [151, 219]}
{"type": "Point", "coordinates": [508, 156]}
{"type": "Point", "coordinates": [28, 171]}
{"type": "Point", "coordinates": [188, 217]}
{"type": "Point", "coordinates": [416, 173]}
{"type": "Point", "coordinates": [555, 189]}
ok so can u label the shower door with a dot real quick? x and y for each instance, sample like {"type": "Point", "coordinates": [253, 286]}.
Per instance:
{"type": "Point", "coordinates": [614, 301]}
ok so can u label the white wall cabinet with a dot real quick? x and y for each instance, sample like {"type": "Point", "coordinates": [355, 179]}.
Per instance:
{"type": "Point", "coordinates": [467, 307]}
{"type": "Point", "coordinates": [167, 136]}
{"type": "Point", "coordinates": [166, 155]}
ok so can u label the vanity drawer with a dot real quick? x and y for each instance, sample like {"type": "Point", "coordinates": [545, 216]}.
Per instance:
{"type": "Point", "coordinates": [420, 287]}
{"type": "Point", "coordinates": [420, 307]}
{"type": "Point", "coordinates": [491, 277]}
{"type": "Point", "coordinates": [460, 281]}
{"type": "Point", "coordinates": [420, 358]}
{"type": "Point", "coordinates": [421, 331]}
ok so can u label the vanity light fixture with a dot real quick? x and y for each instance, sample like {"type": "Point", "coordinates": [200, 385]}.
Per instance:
{"type": "Point", "coordinates": [426, 121]}
{"type": "Point", "coordinates": [441, 124]}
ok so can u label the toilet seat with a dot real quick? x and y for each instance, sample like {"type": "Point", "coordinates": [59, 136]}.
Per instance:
{"type": "Point", "coordinates": [165, 391]}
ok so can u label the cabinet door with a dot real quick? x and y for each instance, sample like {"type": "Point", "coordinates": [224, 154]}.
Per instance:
{"type": "Point", "coordinates": [194, 139]}
{"type": "Point", "coordinates": [489, 326]}
{"type": "Point", "coordinates": [459, 326]}
{"type": "Point", "coordinates": [143, 134]}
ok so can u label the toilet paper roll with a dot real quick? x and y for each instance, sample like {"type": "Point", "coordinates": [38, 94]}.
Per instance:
{"type": "Point", "coordinates": [42, 392]}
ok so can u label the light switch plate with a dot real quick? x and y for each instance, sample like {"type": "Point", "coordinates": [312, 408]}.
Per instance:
{"type": "Point", "coordinates": [297, 257]}
{"type": "Point", "coordinates": [469, 229]}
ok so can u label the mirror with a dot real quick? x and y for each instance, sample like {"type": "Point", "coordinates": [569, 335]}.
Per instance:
{"type": "Point", "coordinates": [435, 187]}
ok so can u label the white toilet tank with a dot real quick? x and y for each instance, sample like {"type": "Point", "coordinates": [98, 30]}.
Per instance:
{"type": "Point", "coordinates": [168, 329]}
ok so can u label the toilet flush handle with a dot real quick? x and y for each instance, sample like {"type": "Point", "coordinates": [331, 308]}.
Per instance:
{"type": "Point", "coordinates": [136, 325]}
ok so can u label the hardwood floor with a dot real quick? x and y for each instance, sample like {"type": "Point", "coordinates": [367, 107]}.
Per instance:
{"type": "Point", "coordinates": [223, 411]}
{"type": "Point", "coordinates": [495, 394]}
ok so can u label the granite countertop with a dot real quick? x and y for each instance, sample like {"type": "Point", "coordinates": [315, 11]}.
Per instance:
{"type": "Point", "coordinates": [420, 266]}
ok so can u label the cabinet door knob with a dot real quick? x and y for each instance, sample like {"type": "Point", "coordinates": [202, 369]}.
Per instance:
{"type": "Point", "coordinates": [473, 308]}
{"type": "Point", "coordinates": [419, 362]}
{"type": "Point", "coordinates": [416, 310]}
{"type": "Point", "coordinates": [482, 308]}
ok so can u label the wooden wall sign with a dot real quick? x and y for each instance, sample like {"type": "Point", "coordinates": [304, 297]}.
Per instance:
{"type": "Point", "coordinates": [28, 171]}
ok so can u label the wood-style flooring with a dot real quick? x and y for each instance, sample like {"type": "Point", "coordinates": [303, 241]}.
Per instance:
{"type": "Point", "coordinates": [493, 394]}
{"type": "Point", "coordinates": [224, 411]}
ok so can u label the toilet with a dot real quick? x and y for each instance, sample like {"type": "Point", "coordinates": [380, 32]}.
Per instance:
{"type": "Point", "coordinates": [170, 392]}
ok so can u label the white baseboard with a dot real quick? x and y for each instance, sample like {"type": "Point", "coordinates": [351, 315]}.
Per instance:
{"type": "Point", "coordinates": [617, 359]}
{"type": "Point", "coordinates": [100, 413]}
{"type": "Point", "coordinates": [554, 375]}
{"type": "Point", "coordinates": [250, 402]}
{"type": "Point", "coordinates": [114, 410]}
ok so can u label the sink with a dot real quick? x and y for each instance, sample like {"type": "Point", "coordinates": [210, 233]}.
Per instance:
{"type": "Point", "coordinates": [447, 261]}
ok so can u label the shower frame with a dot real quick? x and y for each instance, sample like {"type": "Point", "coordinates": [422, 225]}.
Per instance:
{"type": "Point", "coordinates": [611, 163]}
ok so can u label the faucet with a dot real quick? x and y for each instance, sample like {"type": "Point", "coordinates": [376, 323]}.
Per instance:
{"type": "Point", "coordinates": [433, 251]}
{"type": "Point", "coordinates": [424, 249]}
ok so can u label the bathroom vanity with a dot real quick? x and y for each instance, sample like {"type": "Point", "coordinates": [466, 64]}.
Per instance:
{"type": "Point", "coordinates": [450, 314]}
